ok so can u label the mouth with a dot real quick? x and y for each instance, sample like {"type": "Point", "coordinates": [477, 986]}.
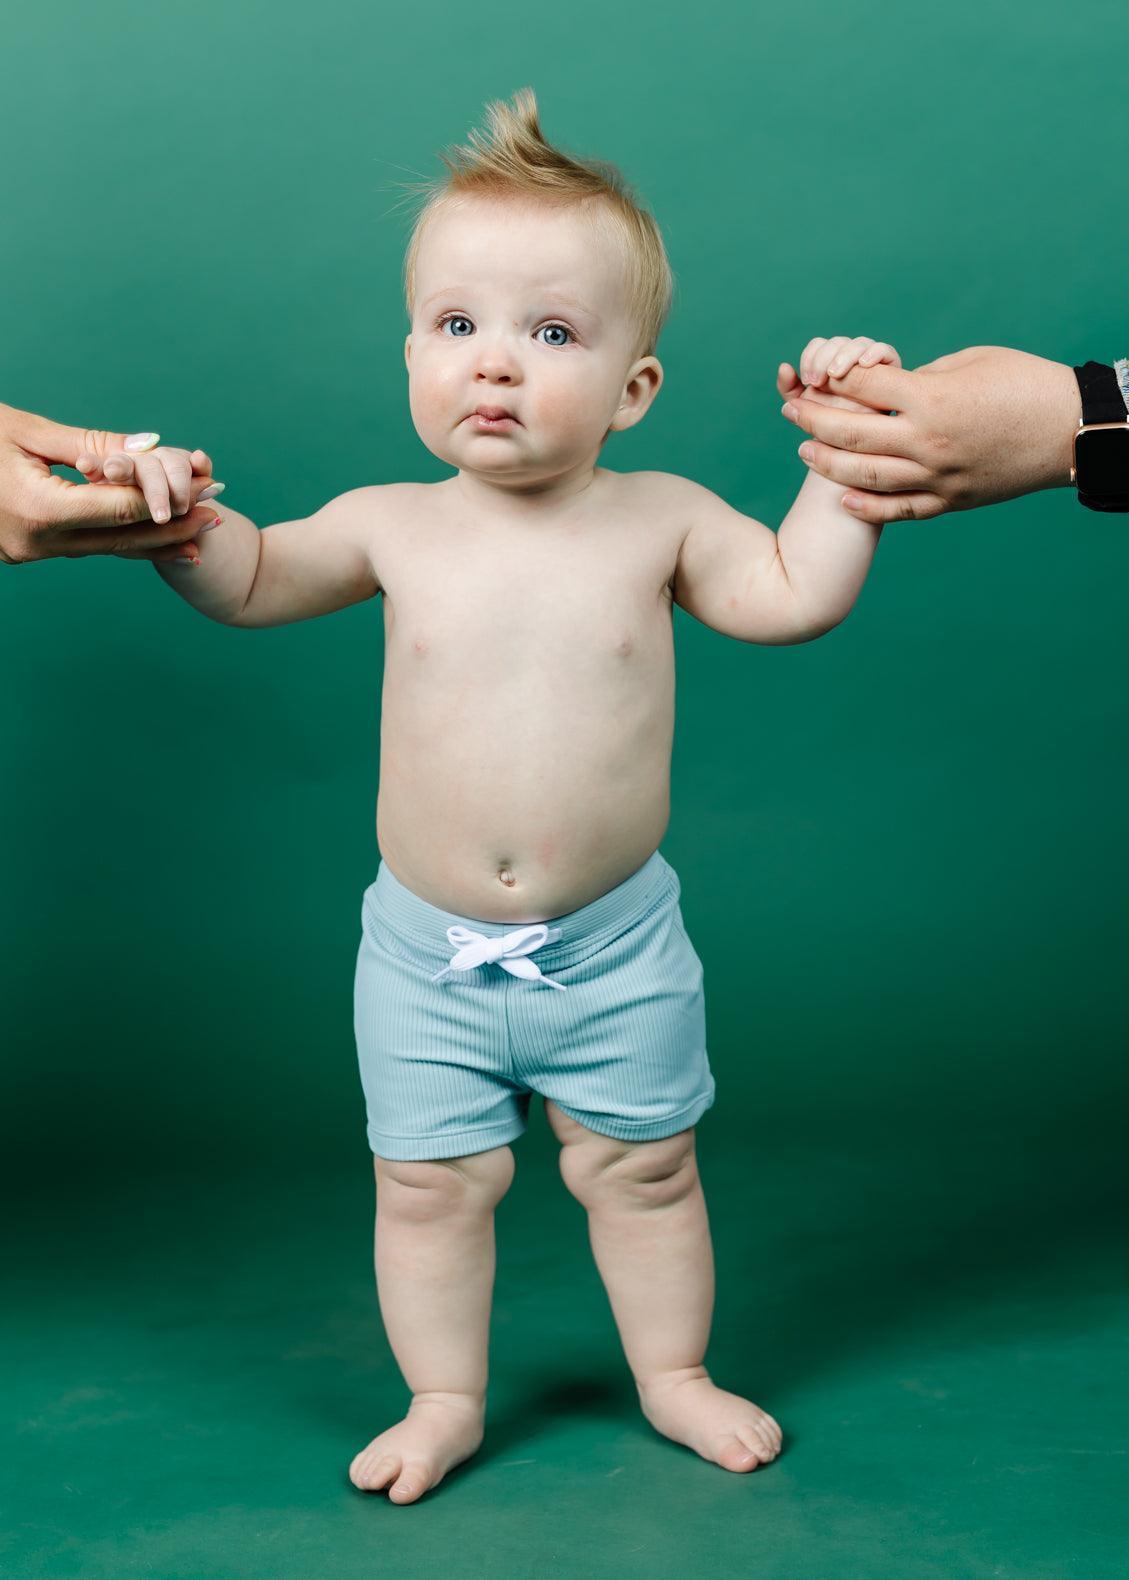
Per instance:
{"type": "Point", "coordinates": [492, 419]}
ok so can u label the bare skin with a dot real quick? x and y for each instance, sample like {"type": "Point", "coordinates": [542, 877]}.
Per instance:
{"type": "Point", "coordinates": [43, 516]}
{"type": "Point", "coordinates": [649, 1231]}
{"type": "Point", "coordinates": [978, 426]}
{"type": "Point", "coordinates": [527, 721]}
{"type": "Point", "coordinates": [527, 718]}
{"type": "Point", "coordinates": [527, 714]}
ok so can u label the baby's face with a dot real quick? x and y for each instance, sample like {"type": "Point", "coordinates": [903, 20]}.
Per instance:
{"type": "Point", "coordinates": [523, 308]}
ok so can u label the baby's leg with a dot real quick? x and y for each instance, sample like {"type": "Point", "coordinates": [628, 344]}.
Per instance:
{"type": "Point", "coordinates": [650, 1235]}
{"type": "Point", "coordinates": [435, 1280]}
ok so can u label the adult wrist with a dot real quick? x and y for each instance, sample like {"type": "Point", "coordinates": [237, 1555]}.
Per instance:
{"type": "Point", "coordinates": [1064, 413]}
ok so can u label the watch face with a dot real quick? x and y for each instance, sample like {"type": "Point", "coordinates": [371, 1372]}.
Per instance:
{"type": "Point", "coordinates": [1101, 460]}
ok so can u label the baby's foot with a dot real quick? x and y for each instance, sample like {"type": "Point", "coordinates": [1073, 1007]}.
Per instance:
{"type": "Point", "coordinates": [439, 1430]}
{"type": "Point", "coordinates": [723, 1427]}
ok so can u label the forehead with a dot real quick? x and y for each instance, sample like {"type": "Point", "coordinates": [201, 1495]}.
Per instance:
{"type": "Point", "coordinates": [508, 246]}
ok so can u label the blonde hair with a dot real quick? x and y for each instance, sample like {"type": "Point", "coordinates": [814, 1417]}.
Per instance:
{"type": "Point", "coordinates": [517, 162]}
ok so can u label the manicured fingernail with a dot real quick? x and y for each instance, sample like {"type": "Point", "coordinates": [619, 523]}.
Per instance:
{"type": "Point", "coordinates": [141, 441]}
{"type": "Point", "coordinates": [211, 526]}
{"type": "Point", "coordinates": [186, 559]}
{"type": "Point", "coordinates": [212, 491]}
{"type": "Point", "coordinates": [806, 453]}
{"type": "Point", "coordinates": [788, 410]}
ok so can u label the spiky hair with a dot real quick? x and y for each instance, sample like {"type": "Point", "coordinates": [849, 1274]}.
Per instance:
{"type": "Point", "coordinates": [515, 160]}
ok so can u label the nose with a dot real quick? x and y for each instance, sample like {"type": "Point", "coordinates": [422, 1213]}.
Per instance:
{"type": "Point", "coordinates": [496, 369]}
{"type": "Point", "coordinates": [497, 360]}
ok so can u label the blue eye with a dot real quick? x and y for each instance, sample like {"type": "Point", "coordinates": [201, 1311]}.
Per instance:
{"type": "Point", "coordinates": [461, 318]}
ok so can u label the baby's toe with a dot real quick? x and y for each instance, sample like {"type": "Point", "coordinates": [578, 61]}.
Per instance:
{"type": "Point", "coordinates": [411, 1483]}
{"type": "Point", "coordinates": [371, 1471]}
{"type": "Point", "coordinates": [755, 1440]}
{"type": "Point", "coordinates": [735, 1454]}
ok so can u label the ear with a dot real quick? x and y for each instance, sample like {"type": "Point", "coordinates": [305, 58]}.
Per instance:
{"type": "Point", "coordinates": [644, 380]}
{"type": "Point", "coordinates": [408, 353]}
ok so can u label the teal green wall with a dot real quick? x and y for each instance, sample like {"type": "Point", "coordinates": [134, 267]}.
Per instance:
{"type": "Point", "coordinates": [902, 848]}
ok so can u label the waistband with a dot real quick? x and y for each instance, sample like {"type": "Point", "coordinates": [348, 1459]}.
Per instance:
{"type": "Point", "coordinates": [572, 937]}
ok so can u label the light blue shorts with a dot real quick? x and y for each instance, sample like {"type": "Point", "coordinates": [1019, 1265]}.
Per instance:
{"type": "Point", "coordinates": [459, 1020]}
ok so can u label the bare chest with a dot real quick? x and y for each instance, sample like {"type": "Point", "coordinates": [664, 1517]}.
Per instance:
{"type": "Point", "coordinates": [468, 602]}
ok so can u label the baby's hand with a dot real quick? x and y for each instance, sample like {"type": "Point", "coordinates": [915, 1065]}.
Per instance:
{"type": "Point", "coordinates": [822, 357]}
{"type": "Point", "coordinates": [173, 482]}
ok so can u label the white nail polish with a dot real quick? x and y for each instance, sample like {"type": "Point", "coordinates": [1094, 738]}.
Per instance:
{"type": "Point", "coordinates": [141, 441]}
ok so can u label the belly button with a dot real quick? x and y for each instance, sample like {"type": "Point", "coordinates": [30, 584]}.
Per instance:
{"type": "Point", "coordinates": [507, 877]}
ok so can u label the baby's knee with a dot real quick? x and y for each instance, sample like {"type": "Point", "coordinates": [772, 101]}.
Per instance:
{"type": "Point", "coordinates": [427, 1188]}
{"type": "Point", "coordinates": [642, 1173]}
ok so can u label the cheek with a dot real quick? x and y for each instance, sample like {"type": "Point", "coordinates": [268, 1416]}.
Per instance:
{"type": "Point", "coordinates": [432, 391]}
{"type": "Point", "coordinates": [567, 409]}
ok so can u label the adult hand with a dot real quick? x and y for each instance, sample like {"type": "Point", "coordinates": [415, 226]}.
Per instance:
{"type": "Point", "coordinates": [43, 516]}
{"type": "Point", "coordinates": [984, 424]}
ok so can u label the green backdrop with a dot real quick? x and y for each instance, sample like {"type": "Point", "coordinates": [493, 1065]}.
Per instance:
{"type": "Point", "coordinates": [902, 848]}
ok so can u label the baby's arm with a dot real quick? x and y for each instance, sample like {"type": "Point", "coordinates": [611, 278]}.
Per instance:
{"type": "Point", "coordinates": [738, 577]}
{"type": "Point", "coordinates": [826, 561]}
{"type": "Point", "coordinates": [238, 575]}
{"type": "Point", "coordinates": [293, 570]}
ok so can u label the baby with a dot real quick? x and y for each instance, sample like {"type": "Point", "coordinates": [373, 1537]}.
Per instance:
{"type": "Point", "coordinates": [523, 933]}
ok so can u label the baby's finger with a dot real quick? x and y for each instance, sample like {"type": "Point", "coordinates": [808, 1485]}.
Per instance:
{"type": "Point", "coordinates": [113, 468]}
{"type": "Point", "coordinates": [787, 380]}
{"type": "Point", "coordinates": [178, 473]}
{"type": "Point", "coordinates": [807, 356]}
{"type": "Point", "coordinates": [149, 475]}
{"type": "Point", "coordinates": [116, 468]}
{"type": "Point", "coordinates": [849, 355]}
{"type": "Point", "coordinates": [824, 358]}
{"type": "Point", "coordinates": [201, 463]}
{"type": "Point", "coordinates": [879, 351]}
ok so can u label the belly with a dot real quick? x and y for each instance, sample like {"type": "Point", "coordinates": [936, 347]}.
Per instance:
{"type": "Point", "coordinates": [520, 794]}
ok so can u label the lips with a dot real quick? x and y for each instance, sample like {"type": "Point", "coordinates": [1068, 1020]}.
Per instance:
{"type": "Point", "coordinates": [492, 412]}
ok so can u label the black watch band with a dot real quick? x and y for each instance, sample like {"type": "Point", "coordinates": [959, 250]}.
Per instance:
{"type": "Point", "coordinates": [1102, 404]}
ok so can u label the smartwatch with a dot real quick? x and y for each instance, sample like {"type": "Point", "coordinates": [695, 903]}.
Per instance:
{"type": "Point", "coordinates": [1101, 442]}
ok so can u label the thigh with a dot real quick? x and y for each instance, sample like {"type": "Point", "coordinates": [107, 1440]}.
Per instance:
{"type": "Point", "coordinates": [433, 1058]}
{"type": "Point", "coordinates": [623, 1051]}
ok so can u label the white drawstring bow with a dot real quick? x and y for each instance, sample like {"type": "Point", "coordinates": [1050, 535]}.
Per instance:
{"type": "Point", "coordinates": [510, 951]}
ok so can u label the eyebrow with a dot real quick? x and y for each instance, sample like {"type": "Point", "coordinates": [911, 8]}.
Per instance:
{"type": "Point", "coordinates": [558, 296]}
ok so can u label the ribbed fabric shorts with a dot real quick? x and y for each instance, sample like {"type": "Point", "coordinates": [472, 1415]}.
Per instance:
{"type": "Point", "coordinates": [459, 1020]}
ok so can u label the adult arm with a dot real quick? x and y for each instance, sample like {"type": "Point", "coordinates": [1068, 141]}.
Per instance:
{"type": "Point", "coordinates": [985, 424]}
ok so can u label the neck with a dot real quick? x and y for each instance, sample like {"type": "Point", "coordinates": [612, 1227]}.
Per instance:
{"type": "Point", "coordinates": [519, 499]}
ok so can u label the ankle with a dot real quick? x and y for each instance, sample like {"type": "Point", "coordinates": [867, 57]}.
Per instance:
{"type": "Point", "coordinates": [460, 1401]}
{"type": "Point", "coordinates": [662, 1381]}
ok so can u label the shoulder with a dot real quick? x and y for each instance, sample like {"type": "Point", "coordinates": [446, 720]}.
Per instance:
{"type": "Point", "coordinates": [365, 513]}
{"type": "Point", "coordinates": [366, 518]}
{"type": "Point", "coordinates": [678, 501]}
{"type": "Point", "coordinates": [669, 490]}
{"type": "Point", "coordinates": [371, 501]}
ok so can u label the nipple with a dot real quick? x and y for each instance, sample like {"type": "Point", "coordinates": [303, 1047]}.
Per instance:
{"type": "Point", "coordinates": [507, 877]}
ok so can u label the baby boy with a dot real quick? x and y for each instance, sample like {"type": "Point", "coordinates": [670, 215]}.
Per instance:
{"type": "Point", "coordinates": [523, 933]}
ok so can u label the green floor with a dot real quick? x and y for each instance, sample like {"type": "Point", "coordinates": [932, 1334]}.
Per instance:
{"type": "Point", "coordinates": [938, 1316]}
